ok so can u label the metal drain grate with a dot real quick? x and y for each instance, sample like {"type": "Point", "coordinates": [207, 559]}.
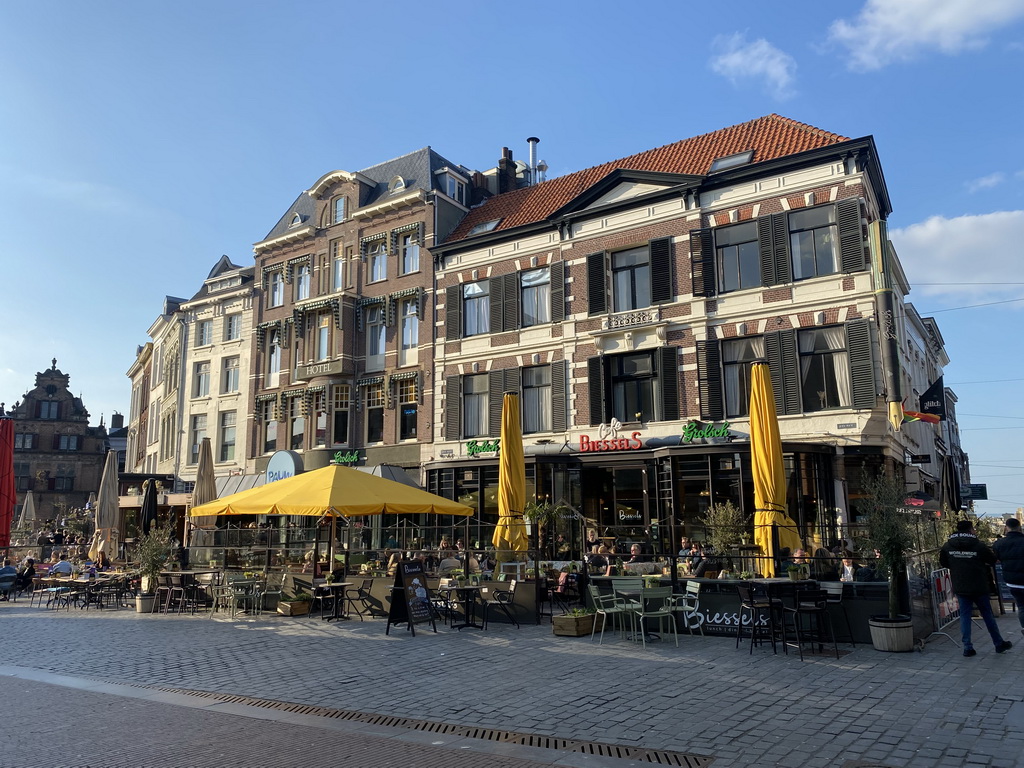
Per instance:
{"type": "Point", "coordinates": [655, 756]}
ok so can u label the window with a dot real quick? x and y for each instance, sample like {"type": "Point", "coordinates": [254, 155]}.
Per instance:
{"type": "Point", "coordinates": [342, 404]}
{"type": "Point", "coordinates": [168, 436]}
{"type": "Point", "coordinates": [269, 419]}
{"type": "Point", "coordinates": [227, 435]}
{"type": "Point", "coordinates": [397, 184]}
{"type": "Point", "coordinates": [378, 256]}
{"type": "Point", "coordinates": [230, 376]}
{"type": "Point", "coordinates": [409, 253]}
{"type": "Point", "coordinates": [812, 242]}
{"type": "Point", "coordinates": [63, 480]}
{"type": "Point", "coordinates": [49, 409]}
{"type": "Point", "coordinates": [410, 332]}
{"type": "Point", "coordinates": [737, 356]}
{"type": "Point", "coordinates": [276, 289]}
{"type": "Point", "coordinates": [23, 475]}
{"type": "Point", "coordinates": [296, 424]}
{"type": "Point", "coordinates": [69, 443]}
{"type": "Point", "coordinates": [323, 337]}
{"type": "Point", "coordinates": [631, 279]}
{"type": "Point", "coordinates": [535, 288]}
{"type": "Point", "coordinates": [476, 308]}
{"type": "Point", "coordinates": [319, 419]}
{"type": "Point", "coordinates": [202, 380]}
{"type": "Point", "coordinates": [337, 266]}
{"type": "Point", "coordinates": [738, 257]}
{"type": "Point", "coordinates": [232, 327]}
{"type": "Point", "coordinates": [303, 278]}
{"type": "Point", "coordinates": [407, 401]}
{"type": "Point", "coordinates": [824, 369]}
{"type": "Point", "coordinates": [24, 441]}
{"type": "Point", "coordinates": [375, 336]}
{"type": "Point", "coordinates": [731, 161]}
{"type": "Point", "coordinates": [273, 358]}
{"type": "Point", "coordinates": [536, 399]}
{"type": "Point", "coordinates": [375, 413]}
{"type": "Point", "coordinates": [455, 189]}
{"type": "Point", "coordinates": [474, 406]}
{"type": "Point", "coordinates": [633, 387]}
{"type": "Point", "coordinates": [204, 333]}
{"type": "Point", "coordinates": [196, 435]}
{"type": "Point", "coordinates": [338, 210]}
{"type": "Point", "coordinates": [486, 226]}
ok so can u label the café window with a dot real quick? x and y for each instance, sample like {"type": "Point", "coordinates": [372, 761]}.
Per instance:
{"type": "Point", "coordinates": [737, 357]}
{"type": "Point", "coordinates": [341, 407]}
{"type": "Point", "coordinates": [375, 413]}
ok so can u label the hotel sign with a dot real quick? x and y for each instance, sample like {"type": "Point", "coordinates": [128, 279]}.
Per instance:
{"type": "Point", "coordinates": [318, 369]}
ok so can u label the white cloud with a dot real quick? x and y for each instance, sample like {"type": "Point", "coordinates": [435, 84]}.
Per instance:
{"type": "Point", "coordinates": [899, 30]}
{"type": "Point", "coordinates": [986, 182]}
{"type": "Point", "coordinates": [963, 252]}
{"type": "Point", "coordinates": [757, 61]}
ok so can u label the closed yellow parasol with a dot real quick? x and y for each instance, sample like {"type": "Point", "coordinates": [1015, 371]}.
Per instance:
{"type": "Point", "coordinates": [510, 533]}
{"type": "Point", "coordinates": [766, 465]}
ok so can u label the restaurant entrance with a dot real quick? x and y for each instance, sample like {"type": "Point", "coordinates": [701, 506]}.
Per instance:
{"type": "Point", "coordinates": [618, 500]}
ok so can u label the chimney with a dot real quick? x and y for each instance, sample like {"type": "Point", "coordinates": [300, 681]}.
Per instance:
{"type": "Point", "coordinates": [117, 421]}
{"type": "Point", "coordinates": [533, 141]}
{"type": "Point", "coordinates": [506, 171]}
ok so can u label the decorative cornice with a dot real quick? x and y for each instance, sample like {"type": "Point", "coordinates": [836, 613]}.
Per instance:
{"type": "Point", "coordinates": [390, 204]}
{"type": "Point", "coordinates": [290, 237]}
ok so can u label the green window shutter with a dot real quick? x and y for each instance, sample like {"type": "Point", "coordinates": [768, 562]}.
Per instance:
{"type": "Point", "coordinates": [559, 403]}
{"type": "Point", "coordinates": [784, 366]}
{"type": "Point", "coordinates": [597, 288]}
{"type": "Point", "coordinates": [702, 262]}
{"type": "Point", "coordinates": [453, 313]}
{"type": "Point", "coordinates": [496, 388]}
{"type": "Point", "coordinates": [510, 312]}
{"type": "Point", "coordinates": [668, 365]}
{"type": "Point", "coordinates": [513, 383]}
{"type": "Point", "coordinates": [662, 280]}
{"type": "Point", "coordinates": [453, 408]}
{"type": "Point", "coordinates": [558, 291]}
{"type": "Point", "coordinates": [496, 297]}
{"type": "Point", "coordinates": [709, 380]}
{"type": "Point", "coordinates": [595, 374]}
{"type": "Point", "coordinates": [862, 364]}
{"type": "Point", "coordinates": [851, 240]}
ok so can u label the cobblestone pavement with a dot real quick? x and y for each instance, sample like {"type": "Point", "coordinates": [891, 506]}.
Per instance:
{"type": "Point", "coordinates": [706, 698]}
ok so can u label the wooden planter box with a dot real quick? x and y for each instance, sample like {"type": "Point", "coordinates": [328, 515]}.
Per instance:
{"type": "Point", "coordinates": [293, 608]}
{"type": "Point", "coordinates": [576, 626]}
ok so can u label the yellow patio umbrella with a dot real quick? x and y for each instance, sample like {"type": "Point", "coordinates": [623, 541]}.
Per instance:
{"type": "Point", "coordinates": [766, 465]}
{"type": "Point", "coordinates": [510, 533]}
{"type": "Point", "coordinates": [333, 490]}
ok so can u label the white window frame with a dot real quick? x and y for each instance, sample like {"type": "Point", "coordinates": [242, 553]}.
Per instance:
{"type": "Point", "coordinates": [303, 281]}
{"type": "Point", "coordinates": [409, 251]}
{"type": "Point", "coordinates": [202, 379]}
{"type": "Point", "coordinates": [231, 374]}
{"type": "Point", "coordinates": [228, 435]}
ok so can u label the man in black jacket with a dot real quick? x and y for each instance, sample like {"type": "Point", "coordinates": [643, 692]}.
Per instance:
{"type": "Point", "coordinates": [969, 562]}
{"type": "Point", "coordinates": [1010, 552]}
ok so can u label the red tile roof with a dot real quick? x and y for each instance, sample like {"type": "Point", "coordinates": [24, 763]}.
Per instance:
{"type": "Point", "coordinates": [770, 137]}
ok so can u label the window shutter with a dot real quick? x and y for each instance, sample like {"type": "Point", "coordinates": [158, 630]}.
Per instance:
{"type": "Point", "coordinates": [496, 298]}
{"type": "Point", "coordinates": [513, 383]}
{"type": "Point", "coordinates": [453, 312]}
{"type": "Point", "coordinates": [702, 262]}
{"type": "Point", "coordinates": [862, 365]}
{"type": "Point", "coordinates": [663, 282]}
{"type": "Point", "coordinates": [851, 240]}
{"type": "Point", "coordinates": [595, 373]}
{"type": "Point", "coordinates": [559, 408]}
{"type": "Point", "coordinates": [452, 408]}
{"type": "Point", "coordinates": [597, 290]}
{"type": "Point", "coordinates": [56, 442]}
{"type": "Point", "coordinates": [510, 315]}
{"type": "Point", "coordinates": [783, 364]}
{"type": "Point", "coordinates": [496, 388]}
{"type": "Point", "coordinates": [709, 377]}
{"type": "Point", "coordinates": [773, 244]}
{"type": "Point", "coordinates": [764, 246]}
{"type": "Point", "coordinates": [557, 291]}
{"type": "Point", "coordinates": [668, 364]}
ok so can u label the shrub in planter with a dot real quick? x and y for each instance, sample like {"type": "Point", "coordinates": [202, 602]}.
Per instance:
{"type": "Point", "coordinates": [578, 622]}
{"type": "Point", "coordinates": [295, 606]}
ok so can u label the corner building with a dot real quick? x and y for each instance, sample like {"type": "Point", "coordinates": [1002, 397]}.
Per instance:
{"type": "Point", "coordinates": [626, 303]}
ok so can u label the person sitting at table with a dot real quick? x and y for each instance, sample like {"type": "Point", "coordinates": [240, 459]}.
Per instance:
{"type": "Point", "coordinates": [685, 546]}
{"type": "Point", "coordinates": [448, 564]}
{"type": "Point", "coordinates": [102, 561]}
{"type": "Point", "coordinates": [636, 554]}
{"type": "Point", "coordinates": [26, 575]}
{"type": "Point", "coordinates": [472, 564]}
{"type": "Point", "coordinates": [62, 566]}
{"type": "Point", "coordinates": [444, 546]}
{"type": "Point", "coordinates": [848, 570]}
{"type": "Point", "coordinates": [785, 559]}
{"type": "Point", "coordinates": [8, 569]}
{"type": "Point", "coordinates": [824, 566]}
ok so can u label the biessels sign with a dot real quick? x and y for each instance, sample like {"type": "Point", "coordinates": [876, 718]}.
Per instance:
{"type": "Point", "coordinates": [283, 464]}
{"type": "Point", "coordinates": [608, 439]}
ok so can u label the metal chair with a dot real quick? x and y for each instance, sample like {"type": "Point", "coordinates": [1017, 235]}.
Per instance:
{"type": "Point", "coordinates": [835, 597]}
{"type": "Point", "coordinates": [685, 605]}
{"type": "Point", "coordinates": [757, 612]}
{"type": "Point", "coordinates": [503, 600]}
{"type": "Point", "coordinates": [810, 617]}
{"type": "Point", "coordinates": [652, 606]}
{"type": "Point", "coordinates": [608, 607]}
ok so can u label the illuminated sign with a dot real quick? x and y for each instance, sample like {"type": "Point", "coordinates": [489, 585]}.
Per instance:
{"type": "Point", "coordinates": [346, 457]}
{"type": "Point", "coordinates": [696, 430]}
{"type": "Point", "coordinates": [608, 439]}
{"type": "Point", "coordinates": [474, 447]}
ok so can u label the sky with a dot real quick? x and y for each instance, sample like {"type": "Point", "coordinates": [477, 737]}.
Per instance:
{"type": "Point", "coordinates": [141, 141]}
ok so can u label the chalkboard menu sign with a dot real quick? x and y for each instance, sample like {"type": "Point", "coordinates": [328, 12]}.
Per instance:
{"type": "Point", "coordinates": [410, 598]}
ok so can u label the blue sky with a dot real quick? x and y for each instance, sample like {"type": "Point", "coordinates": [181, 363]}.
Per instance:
{"type": "Point", "coordinates": [140, 141]}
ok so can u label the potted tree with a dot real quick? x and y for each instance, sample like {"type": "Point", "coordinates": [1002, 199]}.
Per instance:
{"type": "Point", "coordinates": [891, 532]}
{"type": "Point", "coordinates": [726, 525]}
{"type": "Point", "coordinates": [151, 554]}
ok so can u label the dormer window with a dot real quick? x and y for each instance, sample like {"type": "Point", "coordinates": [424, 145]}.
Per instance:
{"type": "Point", "coordinates": [487, 226]}
{"type": "Point", "coordinates": [455, 189]}
{"type": "Point", "coordinates": [397, 184]}
{"type": "Point", "coordinates": [296, 220]}
{"type": "Point", "coordinates": [339, 210]}
{"type": "Point", "coordinates": [731, 161]}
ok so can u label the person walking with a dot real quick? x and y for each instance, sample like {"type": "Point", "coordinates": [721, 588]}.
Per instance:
{"type": "Point", "coordinates": [969, 561]}
{"type": "Point", "coordinates": [1010, 552]}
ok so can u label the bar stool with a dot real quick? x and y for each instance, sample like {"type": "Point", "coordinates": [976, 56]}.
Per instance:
{"type": "Point", "coordinates": [759, 611]}
{"type": "Point", "coordinates": [810, 619]}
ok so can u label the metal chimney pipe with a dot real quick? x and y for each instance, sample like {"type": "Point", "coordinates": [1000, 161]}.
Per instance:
{"type": "Point", "coordinates": [533, 141]}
